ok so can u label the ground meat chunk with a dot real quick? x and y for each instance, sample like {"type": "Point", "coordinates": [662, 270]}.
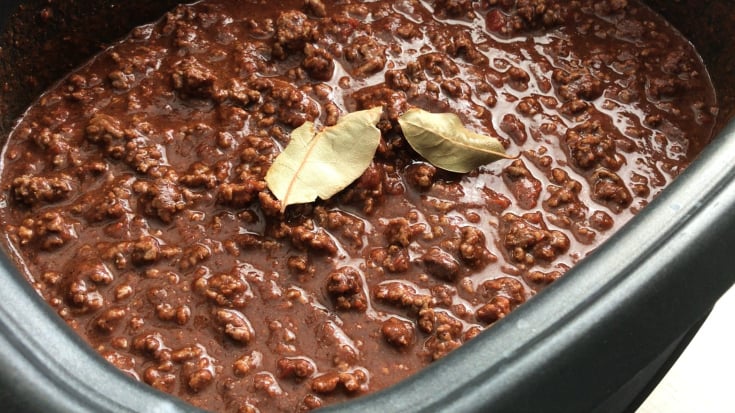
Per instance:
{"type": "Point", "coordinates": [266, 383]}
{"type": "Point", "coordinates": [318, 63]}
{"type": "Point", "coordinates": [368, 191]}
{"type": "Point", "coordinates": [543, 277]}
{"type": "Point", "coordinates": [293, 30]}
{"type": "Point", "coordinates": [401, 295]}
{"type": "Point", "coordinates": [462, 46]}
{"type": "Point", "coordinates": [610, 190]}
{"type": "Point", "coordinates": [114, 204]}
{"type": "Point", "coordinates": [354, 381]}
{"type": "Point", "coordinates": [528, 242]}
{"type": "Point", "coordinates": [666, 88]}
{"type": "Point", "coordinates": [522, 184]}
{"type": "Point", "coordinates": [200, 379]}
{"type": "Point", "coordinates": [494, 310]}
{"type": "Point", "coordinates": [162, 198]}
{"type": "Point", "coordinates": [108, 132]}
{"type": "Point", "coordinates": [350, 228]}
{"type": "Point", "coordinates": [310, 402]}
{"type": "Point", "coordinates": [420, 175]}
{"type": "Point", "coordinates": [577, 84]}
{"type": "Point", "coordinates": [528, 106]}
{"type": "Point", "coordinates": [394, 102]}
{"type": "Point", "coordinates": [399, 333]}
{"type": "Point", "coordinates": [104, 129]}
{"type": "Point", "coordinates": [344, 286]}
{"type": "Point", "coordinates": [121, 80]}
{"type": "Point", "coordinates": [294, 367]}
{"type": "Point", "coordinates": [307, 237]}
{"type": "Point", "coordinates": [438, 65]}
{"type": "Point", "coordinates": [507, 287]}
{"type": "Point", "coordinates": [472, 249]}
{"type": "Point", "coordinates": [235, 325]}
{"type": "Point", "coordinates": [225, 289]}
{"type": "Point", "coordinates": [601, 221]}
{"type": "Point", "coordinates": [92, 269]}
{"type": "Point", "coordinates": [677, 63]}
{"type": "Point", "coordinates": [514, 128]}
{"type": "Point", "coordinates": [608, 7]}
{"type": "Point", "coordinates": [36, 190]}
{"type": "Point", "coordinates": [398, 232]}
{"type": "Point", "coordinates": [397, 79]}
{"type": "Point", "coordinates": [518, 78]}
{"type": "Point", "coordinates": [291, 105]}
{"type": "Point", "coordinates": [145, 250]}
{"type": "Point", "coordinates": [142, 155]}
{"type": "Point", "coordinates": [159, 379]}
{"type": "Point", "coordinates": [83, 296]}
{"type": "Point", "coordinates": [110, 319]}
{"type": "Point", "coordinates": [193, 255]}
{"type": "Point", "coordinates": [199, 175]}
{"type": "Point", "coordinates": [443, 295]}
{"type": "Point", "coordinates": [193, 79]}
{"type": "Point", "coordinates": [441, 264]}
{"type": "Point", "coordinates": [523, 15]}
{"type": "Point", "coordinates": [55, 144]}
{"type": "Point", "coordinates": [180, 314]}
{"type": "Point", "coordinates": [394, 259]}
{"type": "Point", "coordinates": [240, 93]}
{"type": "Point", "coordinates": [239, 194]}
{"type": "Point", "coordinates": [590, 145]}
{"type": "Point", "coordinates": [453, 8]}
{"type": "Point", "coordinates": [51, 230]}
{"type": "Point", "coordinates": [563, 200]}
{"type": "Point", "coordinates": [247, 363]}
{"type": "Point", "coordinates": [365, 55]}
{"type": "Point", "coordinates": [445, 332]}
{"type": "Point", "coordinates": [316, 7]}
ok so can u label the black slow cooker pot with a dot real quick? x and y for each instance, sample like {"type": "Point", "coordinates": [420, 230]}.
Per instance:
{"type": "Point", "coordinates": [596, 340]}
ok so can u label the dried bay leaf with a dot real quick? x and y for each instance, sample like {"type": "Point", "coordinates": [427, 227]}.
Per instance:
{"type": "Point", "coordinates": [443, 140]}
{"type": "Point", "coordinates": [321, 163]}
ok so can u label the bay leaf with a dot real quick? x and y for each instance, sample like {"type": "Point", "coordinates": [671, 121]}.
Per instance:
{"type": "Point", "coordinates": [320, 163]}
{"type": "Point", "coordinates": [443, 140]}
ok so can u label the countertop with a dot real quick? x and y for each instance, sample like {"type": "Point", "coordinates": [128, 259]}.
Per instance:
{"type": "Point", "coordinates": [702, 379]}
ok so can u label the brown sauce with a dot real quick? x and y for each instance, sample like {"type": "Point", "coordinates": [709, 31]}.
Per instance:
{"type": "Point", "coordinates": [135, 202]}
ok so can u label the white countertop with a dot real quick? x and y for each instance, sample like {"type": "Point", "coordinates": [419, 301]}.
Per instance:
{"type": "Point", "coordinates": [702, 380]}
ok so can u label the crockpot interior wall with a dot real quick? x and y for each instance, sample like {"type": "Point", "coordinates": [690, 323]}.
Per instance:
{"type": "Point", "coordinates": [710, 26]}
{"type": "Point", "coordinates": [43, 40]}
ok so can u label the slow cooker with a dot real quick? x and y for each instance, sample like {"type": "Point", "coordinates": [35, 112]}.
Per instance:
{"type": "Point", "coordinates": [595, 341]}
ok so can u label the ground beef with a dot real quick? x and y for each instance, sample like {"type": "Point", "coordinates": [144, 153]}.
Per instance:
{"type": "Point", "coordinates": [522, 184]}
{"type": "Point", "coordinates": [193, 79]}
{"type": "Point", "coordinates": [35, 190]}
{"type": "Point", "coordinates": [293, 29]}
{"type": "Point", "coordinates": [589, 146]}
{"type": "Point", "coordinates": [610, 190]}
{"type": "Point", "coordinates": [344, 285]}
{"type": "Point", "coordinates": [510, 17]}
{"type": "Point", "coordinates": [501, 296]}
{"type": "Point", "coordinates": [528, 241]}
{"type": "Point", "coordinates": [398, 332]}
{"type": "Point", "coordinates": [441, 264]}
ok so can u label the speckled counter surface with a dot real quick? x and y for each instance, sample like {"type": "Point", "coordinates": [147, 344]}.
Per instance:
{"type": "Point", "coordinates": [701, 379]}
